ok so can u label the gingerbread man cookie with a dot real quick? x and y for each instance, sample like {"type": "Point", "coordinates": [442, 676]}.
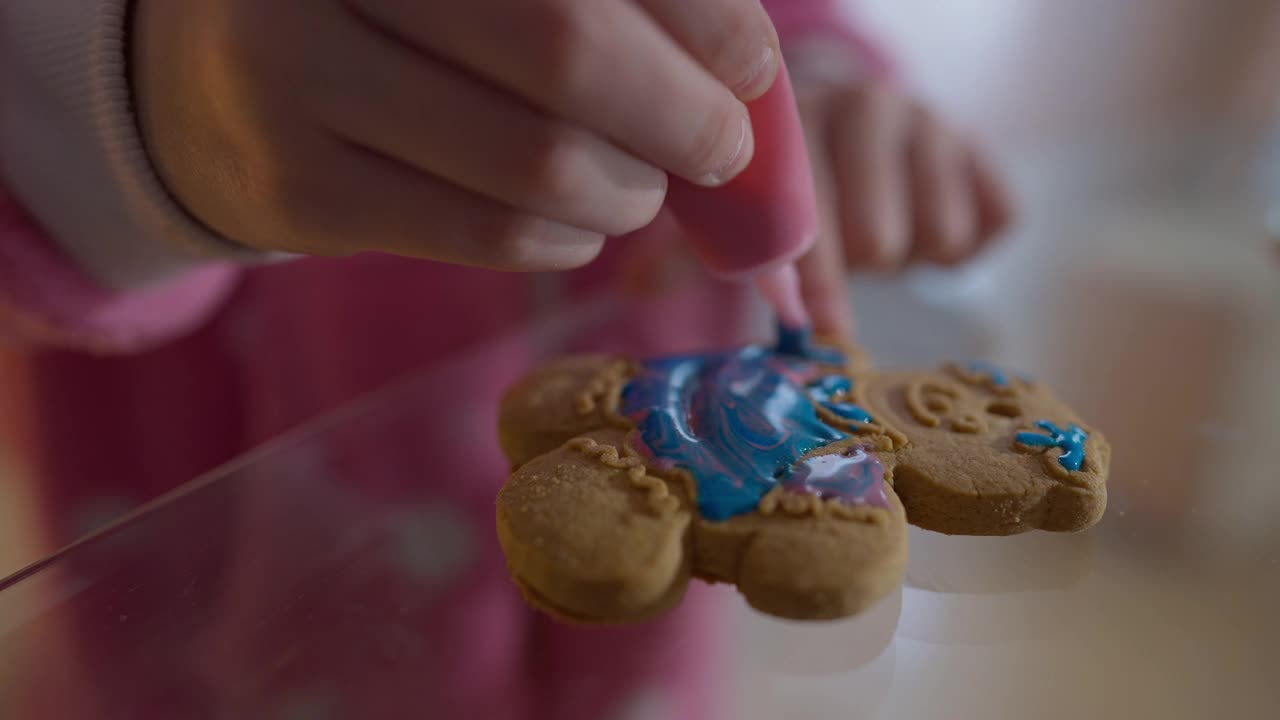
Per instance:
{"type": "Point", "coordinates": [791, 472]}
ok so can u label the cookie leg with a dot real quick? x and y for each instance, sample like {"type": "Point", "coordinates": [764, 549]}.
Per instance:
{"type": "Point", "coordinates": [590, 537]}
{"type": "Point", "coordinates": [807, 566]}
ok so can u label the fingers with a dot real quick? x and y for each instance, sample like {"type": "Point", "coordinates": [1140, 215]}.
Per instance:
{"type": "Point", "coordinates": [824, 289]}
{"type": "Point", "coordinates": [382, 205]}
{"type": "Point", "coordinates": [482, 140]}
{"type": "Point", "coordinates": [603, 64]}
{"type": "Point", "coordinates": [868, 133]}
{"type": "Point", "coordinates": [910, 188]}
{"type": "Point", "coordinates": [994, 203]}
{"type": "Point", "coordinates": [942, 203]}
{"type": "Point", "coordinates": [822, 269]}
{"type": "Point", "coordinates": [733, 39]}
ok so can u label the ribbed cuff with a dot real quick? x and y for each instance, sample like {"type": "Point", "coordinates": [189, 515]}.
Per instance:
{"type": "Point", "coordinates": [72, 154]}
{"type": "Point", "coordinates": [46, 301]}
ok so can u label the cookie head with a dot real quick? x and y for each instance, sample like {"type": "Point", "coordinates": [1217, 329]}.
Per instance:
{"type": "Point", "coordinates": [987, 452]}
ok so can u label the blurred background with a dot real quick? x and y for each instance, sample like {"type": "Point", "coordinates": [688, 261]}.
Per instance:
{"type": "Point", "coordinates": [1143, 142]}
{"type": "Point", "coordinates": [1184, 90]}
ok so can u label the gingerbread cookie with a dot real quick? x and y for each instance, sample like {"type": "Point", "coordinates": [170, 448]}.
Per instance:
{"type": "Point", "coordinates": [790, 472]}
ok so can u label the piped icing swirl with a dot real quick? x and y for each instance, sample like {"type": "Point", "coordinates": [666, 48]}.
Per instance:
{"type": "Point", "coordinates": [744, 421]}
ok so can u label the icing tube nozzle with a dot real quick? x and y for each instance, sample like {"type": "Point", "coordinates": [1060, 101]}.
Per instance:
{"type": "Point", "coordinates": [780, 285]}
{"type": "Point", "coordinates": [755, 225]}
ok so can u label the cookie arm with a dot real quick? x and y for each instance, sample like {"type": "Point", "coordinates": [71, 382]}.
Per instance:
{"type": "Point", "coordinates": [558, 402]}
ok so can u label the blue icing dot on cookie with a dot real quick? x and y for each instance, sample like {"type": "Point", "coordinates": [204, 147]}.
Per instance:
{"type": "Point", "coordinates": [1071, 441]}
{"type": "Point", "coordinates": [999, 376]}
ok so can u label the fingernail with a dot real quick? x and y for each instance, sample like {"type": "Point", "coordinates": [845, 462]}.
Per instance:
{"type": "Point", "coordinates": [736, 162]}
{"type": "Point", "coordinates": [759, 77]}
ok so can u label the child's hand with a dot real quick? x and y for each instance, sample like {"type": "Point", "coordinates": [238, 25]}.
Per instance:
{"type": "Point", "coordinates": [510, 134]}
{"type": "Point", "coordinates": [895, 185]}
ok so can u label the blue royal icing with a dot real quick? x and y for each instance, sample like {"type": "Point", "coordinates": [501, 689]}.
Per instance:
{"type": "Point", "coordinates": [999, 376]}
{"type": "Point", "coordinates": [741, 420]}
{"type": "Point", "coordinates": [825, 388]}
{"type": "Point", "coordinates": [857, 472]}
{"type": "Point", "coordinates": [1071, 441]}
{"type": "Point", "coordinates": [996, 374]}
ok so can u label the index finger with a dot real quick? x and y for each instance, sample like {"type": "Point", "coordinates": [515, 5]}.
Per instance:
{"type": "Point", "coordinates": [733, 39]}
{"type": "Point", "coordinates": [822, 270]}
{"type": "Point", "coordinates": [605, 65]}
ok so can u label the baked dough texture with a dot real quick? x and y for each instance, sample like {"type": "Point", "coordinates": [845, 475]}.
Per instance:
{"type": "Point", "coordinates": [595, 531]}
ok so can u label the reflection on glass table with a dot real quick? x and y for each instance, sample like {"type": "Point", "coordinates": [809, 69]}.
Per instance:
{"type": "Point", "coordinates": [348, 570]}
{"type": "Point", "coordinates": [316, 578]}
